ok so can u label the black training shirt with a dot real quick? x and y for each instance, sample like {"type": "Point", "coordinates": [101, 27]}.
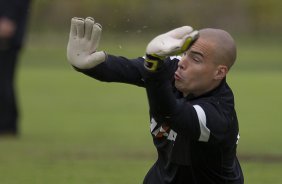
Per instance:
{"type": "Point", "coordinates": [195, 137]}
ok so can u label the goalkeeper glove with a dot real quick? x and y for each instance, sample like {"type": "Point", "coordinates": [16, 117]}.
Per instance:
{"type": "Point", "coordinates": [171, 43]}
{"type": "Point", "coordinates": [83, 41]}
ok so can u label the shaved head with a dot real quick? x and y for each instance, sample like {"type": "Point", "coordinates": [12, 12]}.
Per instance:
{"type": "Point", "coordinates": [224, 47]}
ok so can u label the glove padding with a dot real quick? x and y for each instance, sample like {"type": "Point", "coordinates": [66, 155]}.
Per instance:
{"type": "Point", "coordinates": [171, 43]}
{"type": "Point", "coordinates": [83, 41]}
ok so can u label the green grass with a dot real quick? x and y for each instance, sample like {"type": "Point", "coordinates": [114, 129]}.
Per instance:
{"type": "Point", "coordinates": [78, 130]}
{"type": "Point", "coordinates": [258, 102]}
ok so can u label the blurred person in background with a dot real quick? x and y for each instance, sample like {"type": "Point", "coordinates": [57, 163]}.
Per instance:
{"type": "Point", "coordinates": [13, 19]}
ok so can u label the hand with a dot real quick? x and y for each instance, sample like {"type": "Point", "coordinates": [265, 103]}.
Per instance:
{"type": "Point", "coordinates": [171, 43]}
{"type": "Point", "coordinates": [83, 41]}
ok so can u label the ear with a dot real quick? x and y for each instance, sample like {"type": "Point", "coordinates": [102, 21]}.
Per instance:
{"type": "Point", "coordinates": [221, 72]}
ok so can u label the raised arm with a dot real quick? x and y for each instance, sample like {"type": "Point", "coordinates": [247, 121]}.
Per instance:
{"type": "Point", "coordinates": [164, 105]}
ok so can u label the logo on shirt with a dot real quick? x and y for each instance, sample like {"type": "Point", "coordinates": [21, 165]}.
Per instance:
{"type": "Point", "coordinates": [164, 131]}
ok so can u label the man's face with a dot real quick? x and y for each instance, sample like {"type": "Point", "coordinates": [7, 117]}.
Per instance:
{"type": "Point", "coordinates": [196, 70]}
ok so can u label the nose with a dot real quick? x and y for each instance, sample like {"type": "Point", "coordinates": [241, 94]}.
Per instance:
{"type": "Point", "coordinates": [181, 64]}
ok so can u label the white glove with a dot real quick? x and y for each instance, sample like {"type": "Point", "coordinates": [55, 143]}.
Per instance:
{"type": "Point", "coordinates": [83, 41]}
{"type": "Point", "coordinates": [171, 43]}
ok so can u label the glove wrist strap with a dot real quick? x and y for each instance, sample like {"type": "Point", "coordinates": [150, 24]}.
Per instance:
{"type": "Point", "coordinates": [153, 62]}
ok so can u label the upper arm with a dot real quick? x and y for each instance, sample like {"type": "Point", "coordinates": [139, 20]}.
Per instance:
{"type": "Point", "coordinates": [203, 122]}
{"type": "Point", "coordinates": [212, 122]}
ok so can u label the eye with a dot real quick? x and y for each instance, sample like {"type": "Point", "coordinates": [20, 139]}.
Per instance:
{"type": "Point", "coordinates": [196, 59]}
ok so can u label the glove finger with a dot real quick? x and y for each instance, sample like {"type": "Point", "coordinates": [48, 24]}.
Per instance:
{"type": "Point", "coordinates": [178, 46]}
{"type": "Point", "coordinates": [98, 56]}
{"type": "Point", "coordinates": [89, 22]}
{"type": "Point", "coordinates": [188, 40]}
{"type": "Point", "coordinates": [180, 32]}
{"type": "Point", "coordinates": [94, 59]}
{"type": "Point", "coordinates": [80, 27]}
{"type": "Point", "coordinates": [73, 30]}
{"type": "Point", "coordinates": [95, 36]}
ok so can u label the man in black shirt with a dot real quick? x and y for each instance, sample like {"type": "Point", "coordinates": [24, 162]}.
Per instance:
{"type": "Point", "coordinates": [193, 121]}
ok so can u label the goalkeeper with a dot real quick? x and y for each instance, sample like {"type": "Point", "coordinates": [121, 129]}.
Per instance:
{"type": "Point", "coordinates": [192, 117]}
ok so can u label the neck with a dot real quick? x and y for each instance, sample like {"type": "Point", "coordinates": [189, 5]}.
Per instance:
{"type": "Point", "coordinates": [197, 93]}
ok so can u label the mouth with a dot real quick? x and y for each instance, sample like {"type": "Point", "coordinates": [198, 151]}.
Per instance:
{"type": "Point", "coordinates": [177, 76]}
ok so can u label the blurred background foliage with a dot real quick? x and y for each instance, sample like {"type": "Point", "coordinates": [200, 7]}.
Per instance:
{"type": "Point", "coordinates": [244, 17]}
{"type": "Point", "coordinates": [128, 25]}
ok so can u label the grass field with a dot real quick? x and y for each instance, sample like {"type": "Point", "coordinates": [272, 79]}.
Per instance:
{"type": "Point", "coordinates": [78, 130]}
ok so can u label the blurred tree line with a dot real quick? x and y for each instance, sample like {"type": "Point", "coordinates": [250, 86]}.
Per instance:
{"type": "Point", "coordinates": [248, 17]}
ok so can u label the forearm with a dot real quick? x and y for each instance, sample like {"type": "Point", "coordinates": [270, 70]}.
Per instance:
{"type": "Point", "coordinates": [116, 69]}
{"type": "Point", "coordinates": [166, 107]}
{"type": "Point", "coordinates": [159, 90]}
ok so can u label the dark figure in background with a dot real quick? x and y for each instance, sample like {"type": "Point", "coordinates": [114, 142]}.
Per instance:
{"type": "Point", "coordinates": [13, 18]}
